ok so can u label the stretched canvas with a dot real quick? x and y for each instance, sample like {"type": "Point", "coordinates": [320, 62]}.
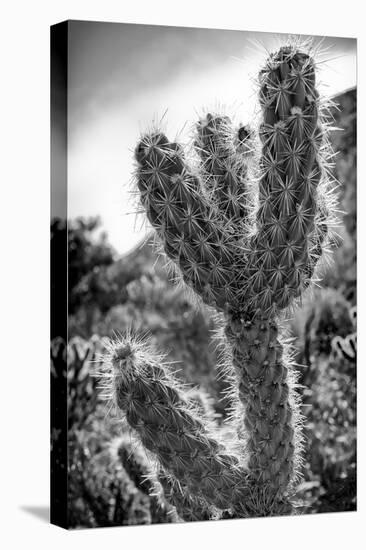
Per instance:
{"type": "Point", "coordinates": [203, 266]}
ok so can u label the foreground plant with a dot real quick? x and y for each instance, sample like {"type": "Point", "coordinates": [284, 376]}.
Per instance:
{"type": "Point", "coordinates": [245, 231]}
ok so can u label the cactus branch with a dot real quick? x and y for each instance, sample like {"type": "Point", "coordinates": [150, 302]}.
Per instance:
{"type": "Point", "coordinates": [290, 171]}
{"type": "Point", "coordinates": [223, 171]}
{"type": "Point", "coordinates": [176, 207]}
{"type": "Point", "coordinates": [156, 408]}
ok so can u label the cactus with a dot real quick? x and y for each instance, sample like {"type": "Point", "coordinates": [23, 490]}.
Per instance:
{"type": "Point", "coordinates": [346, 348]}
{"type": "Point", "coordinates": [82, 357]}
{"type": "Point", "coordinates": [245, 231]}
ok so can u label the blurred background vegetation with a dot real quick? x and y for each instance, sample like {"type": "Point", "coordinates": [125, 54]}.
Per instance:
{"type": "Point", "coordinates": [109, 293]}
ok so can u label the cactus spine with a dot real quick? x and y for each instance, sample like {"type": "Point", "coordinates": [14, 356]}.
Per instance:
{"type": "Point", "coordinates": [245, 231]}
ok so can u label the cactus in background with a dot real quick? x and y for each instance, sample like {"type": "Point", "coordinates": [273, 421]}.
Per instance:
{"type": "Point", "coordinates": [347, 347]}
{"type": "Point", "coordinates": [245, 231]}
{"type": "Point", "coordinates": [82, 357]}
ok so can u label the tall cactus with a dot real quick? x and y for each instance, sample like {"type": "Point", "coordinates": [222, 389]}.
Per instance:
{"type": "Point", "coordinates": [245, 231]}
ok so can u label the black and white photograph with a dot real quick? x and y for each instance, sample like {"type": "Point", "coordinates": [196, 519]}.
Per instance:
{"type": "Point", "coordinates": [203, 272]}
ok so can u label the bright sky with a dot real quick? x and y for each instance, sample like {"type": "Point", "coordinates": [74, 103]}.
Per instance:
{"type": "Point", "coordinates": [122, 77]}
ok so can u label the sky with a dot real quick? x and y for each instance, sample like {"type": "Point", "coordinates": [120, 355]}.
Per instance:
{"type": "Point", "coordinates": [121, 77]}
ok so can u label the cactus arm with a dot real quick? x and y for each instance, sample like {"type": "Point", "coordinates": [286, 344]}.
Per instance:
{"type": "Point", "coordinates": [224, 171]}
{"type": "Point", "coordinates": [290, 170]}
{"type": "Point", "coordinates": [172, 197]}
{"type": "Point", "coordinates": [155, 407]}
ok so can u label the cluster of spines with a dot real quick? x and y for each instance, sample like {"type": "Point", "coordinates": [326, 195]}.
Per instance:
{"type": "Point", "coordinates": [176, 207]}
